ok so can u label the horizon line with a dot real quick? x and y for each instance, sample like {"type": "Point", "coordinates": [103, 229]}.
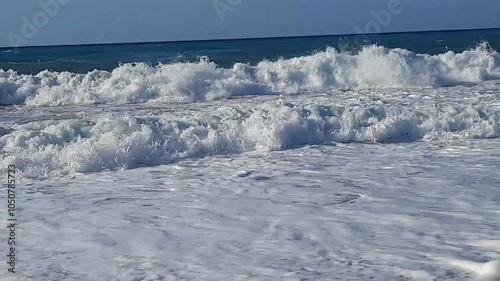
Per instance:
{"type": "Point", "coordinates": [250, 38]}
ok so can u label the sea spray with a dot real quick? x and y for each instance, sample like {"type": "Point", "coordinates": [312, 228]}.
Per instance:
{"type": "Point", "coordinates": [372, 67]}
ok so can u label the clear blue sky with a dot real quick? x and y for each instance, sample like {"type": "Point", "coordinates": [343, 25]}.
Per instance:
{"type": "Point", "coordinates": [106, 21]}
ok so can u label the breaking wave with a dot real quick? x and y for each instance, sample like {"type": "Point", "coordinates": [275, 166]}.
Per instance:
{"type": "Point", "coordinates": [47, 147]}
{"type": "Point", "coordinates": [372, 67]}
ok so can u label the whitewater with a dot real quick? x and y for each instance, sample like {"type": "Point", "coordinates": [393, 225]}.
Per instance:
{"type": "Point", "coordinates": [372, 67]}
{"type": "Point", "coordinates": [375, 164]}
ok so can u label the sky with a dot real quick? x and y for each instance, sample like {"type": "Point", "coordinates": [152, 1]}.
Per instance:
{"type": "Point", "coordinates": [61, 22]}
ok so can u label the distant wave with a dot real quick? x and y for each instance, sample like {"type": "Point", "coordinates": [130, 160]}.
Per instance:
{"type": "Point", "coordinates": [373, 67]}
{"type": "Point", "coordinates": [110, 143]}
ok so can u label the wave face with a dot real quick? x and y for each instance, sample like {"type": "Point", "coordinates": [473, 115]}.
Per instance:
{"type": "Point", "coordinates": [109, 143]}
{"type": "Point", "coordinates": [372, 67]}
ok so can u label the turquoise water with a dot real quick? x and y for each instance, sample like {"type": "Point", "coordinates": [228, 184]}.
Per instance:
{"type": "Point", "coordinates": [225, 53]}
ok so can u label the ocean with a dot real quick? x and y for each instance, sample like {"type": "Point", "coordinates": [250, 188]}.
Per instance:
{"type": "Point", "coordinates": [311, 158]}
{"type": "Point", "coordinates": [226, 53]}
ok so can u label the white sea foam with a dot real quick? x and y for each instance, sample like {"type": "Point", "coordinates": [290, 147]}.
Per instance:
{"type": "Point", "coordinates": [412, 211]}
{"type": "Point", "coordinates": [490, 271]}
{"type": "Point", "coordinates": [372, 67]}
{"type": "Point", "coordinates": [111, 143]}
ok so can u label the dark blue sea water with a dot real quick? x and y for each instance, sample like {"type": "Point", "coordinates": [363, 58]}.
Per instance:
{"type": "Point", "coordinates": [225, 53]}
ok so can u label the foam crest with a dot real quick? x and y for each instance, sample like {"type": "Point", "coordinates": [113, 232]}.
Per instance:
{"type": "Point", "coordinates": [372, 67]}
{"type": "Point", "coordinates": [48, 147]}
